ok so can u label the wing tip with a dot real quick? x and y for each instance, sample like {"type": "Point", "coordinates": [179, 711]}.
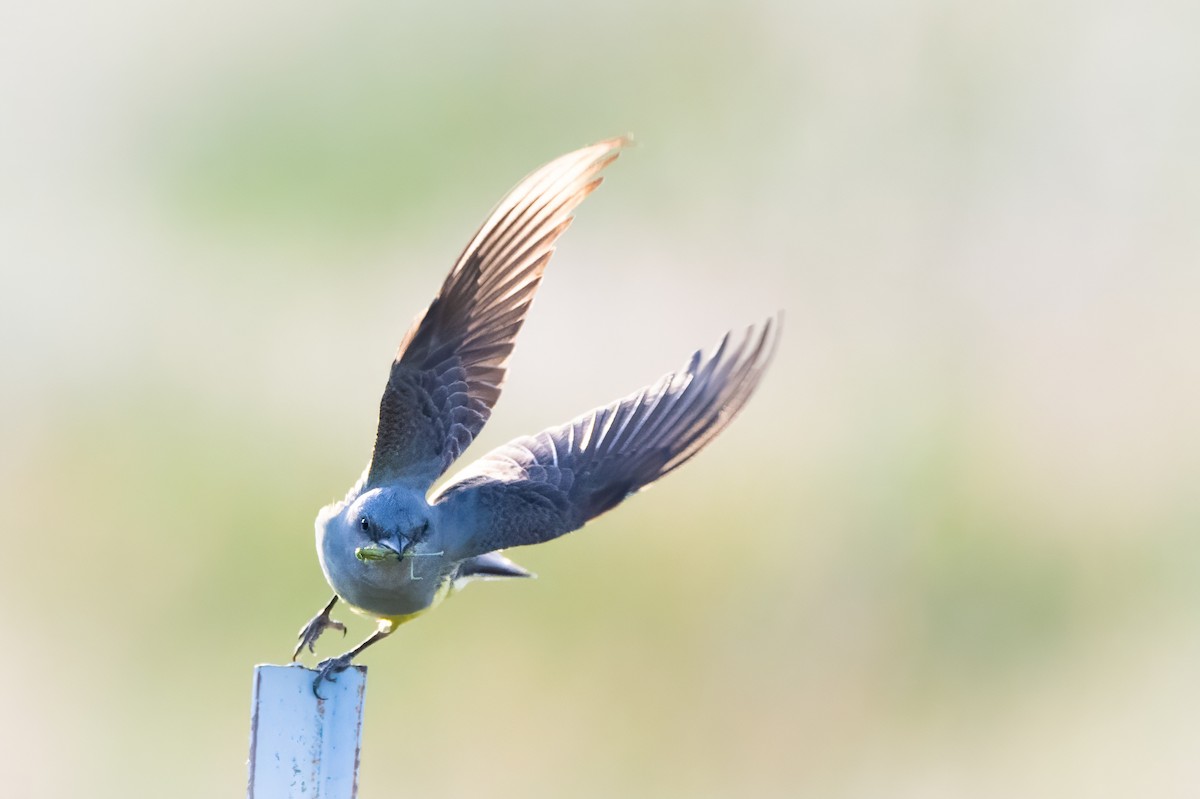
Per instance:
{"type": "Point", "coordinates": [772, 333]}
{"type": "Point", "coordinates": [760, 338]}
{"type": "Point", "coordinates": [621, 142]}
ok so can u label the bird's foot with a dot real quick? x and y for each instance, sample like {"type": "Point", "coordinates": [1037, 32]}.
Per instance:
{"type": "Point", "coordinates": [310, 632]}
{"type": "Point", "coordinates": [329, 670]}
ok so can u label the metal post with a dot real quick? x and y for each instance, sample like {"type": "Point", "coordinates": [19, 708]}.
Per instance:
{"type": "Point", "coordinates": [302, 747]}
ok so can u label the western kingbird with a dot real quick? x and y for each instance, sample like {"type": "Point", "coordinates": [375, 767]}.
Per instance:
{"type": "Point", "coordinates": [390, 550]}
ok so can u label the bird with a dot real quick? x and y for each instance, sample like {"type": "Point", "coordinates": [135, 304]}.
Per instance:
{"type": "Point", "coordinates": [393, 549]}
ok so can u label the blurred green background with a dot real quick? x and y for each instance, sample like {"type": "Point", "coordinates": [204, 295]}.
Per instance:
{"type": "Point", "coordinates": [949, 550]}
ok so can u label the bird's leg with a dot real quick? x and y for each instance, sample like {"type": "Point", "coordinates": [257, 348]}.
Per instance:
{"type": "Point", "coordinates": [328, 669]}
{"type": "Point", "coordinates": [310, 632]}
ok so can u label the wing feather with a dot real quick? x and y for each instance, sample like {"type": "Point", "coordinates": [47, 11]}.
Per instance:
{"type": "Point", "coordinates": [449, 370]}
{"type": "Point", "coordinates": [539, 487]}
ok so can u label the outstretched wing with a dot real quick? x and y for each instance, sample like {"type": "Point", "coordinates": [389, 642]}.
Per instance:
{"type": "Point", "coordinates": [450, 366]}
{"type": "Point", "coordinates": [539, 487]}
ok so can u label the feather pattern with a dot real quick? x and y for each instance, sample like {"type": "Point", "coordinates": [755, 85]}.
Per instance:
{"type": "Point", "coordinates": [450, 367]}
{"type": "Point", "coordinates": [539, 487]}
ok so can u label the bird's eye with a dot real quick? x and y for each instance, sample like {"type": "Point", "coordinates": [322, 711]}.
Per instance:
{"type": "Point", "coordinates": [364, 524]}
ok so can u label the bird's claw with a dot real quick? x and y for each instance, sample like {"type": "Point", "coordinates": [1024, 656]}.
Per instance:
{"type": "Point", "coordinates": [328, 670]}
{"type": "Point", "coordinates": [310, 632]}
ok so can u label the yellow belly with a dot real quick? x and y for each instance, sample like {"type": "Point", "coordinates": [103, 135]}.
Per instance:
{"type": "Point", "coordinates": [389, 623]}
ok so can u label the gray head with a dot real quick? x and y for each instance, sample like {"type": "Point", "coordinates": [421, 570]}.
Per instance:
{"type": "Point", "coordinates": [379, 524]}
{"type": "Point", "coordinates": [368, 546]}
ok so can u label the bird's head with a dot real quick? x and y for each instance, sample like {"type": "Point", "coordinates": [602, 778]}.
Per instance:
{"type": "Point", "coordinates": [378, 525]}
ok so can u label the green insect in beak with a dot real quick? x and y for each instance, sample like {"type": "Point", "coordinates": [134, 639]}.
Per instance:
{"type": "Point", "coordinates": [376, 552]}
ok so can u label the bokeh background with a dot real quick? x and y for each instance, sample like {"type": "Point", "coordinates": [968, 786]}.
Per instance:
{"type": "Point", "coordinates": [949, 550]}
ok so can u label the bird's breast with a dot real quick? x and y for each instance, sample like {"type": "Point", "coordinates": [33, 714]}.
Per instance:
{"type": "Point", "coordinates": [382, 588]}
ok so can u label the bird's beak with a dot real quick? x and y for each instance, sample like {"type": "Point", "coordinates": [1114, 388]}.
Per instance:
{"type": "Point", "coordinates": [390, 547]}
